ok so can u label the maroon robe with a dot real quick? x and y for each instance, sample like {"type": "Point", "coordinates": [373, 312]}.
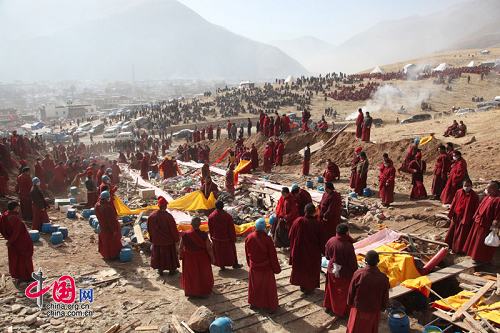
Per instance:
{"type": "Point", "coordinates": [4, 180]}
{"type": "Point", "coordinates": [24, 185]}
{"type": "Point", "coordinates": [19, 246]}
{"type": "Point", "coordinates": [330, 208]}
{"type": "Point", "coordinates": [455, 178]}
{"type": "Point", "coordinates": [306, 162]}
{"type": "Point", "coordinates": [115, 177]}
{"type": "Point", "coordinates": [441, 169]}
{"type": "Point", "coordinates": [354, 165]}
{"type": "Point", "coordinates": [359, 125]}
{"type": "Point", "coordinates": [263, 263]}
{"type": "Point", "coordinates": [340, 250]}
{"type": "Point", "coordinates": [487, 212]}
{"type": "Point", "coordinates": [417, 170]}
{"type": "Point", "coordinates": [163, 235]}
{"type": "Point", "coordinates": [286, 212]}
{"type": "Point", "coordinates": [39, 206]}
{"type": "Point", "coordinates": [230, 181]}
{"type": "Point", "coordinates": [331, 173]}
{"type": "Point", "coordinates": [59, 180]}
{"type": "Point", "coordinates": [268, 159]}
{"type": "Point", "coordinates": [462, 211]}
{"type": "Point", "coordinates": [197, 278]}
{"type": "Point", "coordinates": [410, 156]}
{"type": "Point", "coordinates": [110, 234]}
{"type": "Point", "coordinates": [368, 295]}
{"type": "Point", "coordinates": [302, 197]}
{"type": "Point", "coordinates": [145, 168]}
{"type": "Point", "coordinates": [223, 235]}
{"type": "Point", "coordinates": [365, 132]}
{"type": "Point", "coordinates": [386, 184]}
{"type": "Point", "coordinates": [255, 158]}
{"type": "Point", "coordinates": [305, 252]}
{"type": "Point", "coordinates": [361, 176]}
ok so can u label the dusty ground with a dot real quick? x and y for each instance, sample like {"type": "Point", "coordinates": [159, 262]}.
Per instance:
{"type": "Point", "coordinates": [141, 295]}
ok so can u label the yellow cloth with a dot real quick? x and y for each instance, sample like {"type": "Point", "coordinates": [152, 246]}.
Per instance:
{"type": "Point", "coordinates": [420, 284]}
{"type": "Point", "coordinates": [193, 201]}
{"type": "Point", "coordinates": [242, 165]}
{"type": "Point", "coordinates": [456, 301]}
{"type": "Point", "coordinates": [425, 139]}
{"type": "Point", "coordinates": [122, 209]}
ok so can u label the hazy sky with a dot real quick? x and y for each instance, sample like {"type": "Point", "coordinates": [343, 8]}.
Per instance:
{"type": "Point", "coordinates": [331, 20]}
{"type": "Point", "coordinates": [262, 20]}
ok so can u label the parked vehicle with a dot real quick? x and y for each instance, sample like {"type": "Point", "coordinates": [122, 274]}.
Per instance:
{"type": "Point", "coordinates": [111, 132]}
{"type": "Point", "coordinates": [416, 118]}
{"type": "Point", "coordinates": [182, 134]}
{"type": "Point", "coordinates": [85, 126]}
{"type": "Point", "coordinates": [124, 136]}
{"type": "Point", "coordinates": [97, 129]}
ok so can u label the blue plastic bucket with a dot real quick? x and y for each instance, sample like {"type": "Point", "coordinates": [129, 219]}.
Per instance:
{"type": "Point", "coordinates": [353, 195]}
{"type": "Point", "coordinates": [47, 228]}
{"type": "Point", "coordinates": [64, 232]}
{"type": "Point", "coordinates": [432, 329]}
{"type": "Point", "coordinates": [320, 179]}
{"type": "Point", "coordinates": [367, 192]}
{"type": "Point", "coordinates": [221, 325]}
{"type": "Point", "coordinates": [86, 213]}
{"type": "Point", "coordinates": [71, 214]}
{"type": "Point", "coordinates": [272, 219]}
{"type": "Point", "coordinates": [398, 322]}
{"type": "Point", "coordinates": [309, 184]}
{"type": "Point", "coordinates": [97, 229]}
{"type": "Point", "coordinates": [92, 211]}
{"type": "Point", "coordinates": [35, 235]}
{"type": "Point", "coordinates": [72, 201]}
{"type": "Point", "coordinates": [127, 218]}
{"type": "Point", "coordinates": [55, 227]}
{"type": "Point", "coordinates": [73, 190]}
{"type": "Point", "coordinates": [56, 238]}
{"type": "Point", "coordinates": [126, 254]}
{"type": "Point", "coordinates": [320, 189]}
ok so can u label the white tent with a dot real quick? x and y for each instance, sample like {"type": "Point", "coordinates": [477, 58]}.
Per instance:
{"type": "Point", "coordinates": [471, 64]}
{"type": "Point", "coordinates": [289, 79]}
{"type": "Point", "coordinates": [377, 70]}
{"type": "Point", "coordinates": [441, 67]}
{"type": "Point", "coordinates": [408, 67]}
{"type": "Point", "coordinates": [484, 52]}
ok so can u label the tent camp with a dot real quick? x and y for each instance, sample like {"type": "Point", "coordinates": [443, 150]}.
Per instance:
{"type": "Point", "coordinates": [471, 64]}
{"type": "Point", "coordinates": [441, 67]}
{"type": "Point", "coordinates": [377, 70]}
{"type": "Point", "coordinates": [408, 68]}
{"type": "Point", "coordinates": [289, 79]}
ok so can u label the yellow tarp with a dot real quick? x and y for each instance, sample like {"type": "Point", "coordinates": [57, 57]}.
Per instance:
{"type": "Point", "coordinates": [420, 284]}
{"type": "Point", "coordinates": [193, 201]}
{"type": "Point", "coordinates": [122, 209]}
{"type": "Point", "coordinates": [490, 312]}
{"type": "Point", "coordinates": [425, 139]}
{"type": "Point", "coordinates": [242, 165]}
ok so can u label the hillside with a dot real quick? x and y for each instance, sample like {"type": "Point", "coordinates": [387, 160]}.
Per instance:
{"type": "Point", "coordinates": [160, 39]}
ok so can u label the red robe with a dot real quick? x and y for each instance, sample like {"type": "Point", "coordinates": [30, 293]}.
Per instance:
{"type": "Point", "coordinates": [302, 197]}
{"type": "Point", "coordinates": [168, 169]}
{"type": "Point", "coordinates": [40, 174]}
{"type": "Point", "coordinates": [230, 181]}
{"type": "Point", "coordinates": [462, 211]}
{"type": "Point", "coordinates": [280, 149]}
{"type": "Point", "coordinates": [365, 132]}
{"type": "Point", "coordinates": [306, 162]}
{"type": "Point", "coordinates": [410, 156]}
{"type": "Point", "coordinates": [255, 158]}
{"type": "Point", "coordinates": [305, 253]}
{"type": "Point", "coordinates": [330, 208]}
{"type": "Point", "coordinates": [39, 206]}
{"type": "Point", "coordinates": [59, 180]}
{"type": "Point", "coordinates": [98, 176]}
{"type": "Point", "coordinates": [354, 165]}
{"type": "Point", "coordinates": [4, 180]}
{"type": "Point", "coordinates": [145, 168]}
{"type": "Point", "coordinates": [110, 234]}
{"type": "Point", "coordinates": [386, 180]}
{"type": "Point", "coordinates": [268, 159]}
{"type": "Point", "coordinates": [197, 278]}
{"type": "Point", "coordinates": [19, 246]}
{"type": "Point", "coordinates": [223, 235]}
{"type": "Point", "coordinates": [331, 173]}
{"type": "Point", "coordinates": [163, 235]}
{"type": "Point", "coordinates": [263, 263]}
{"type": "Point", "coordinates": [286, 212]}
{"type": "Point", "coordinates": [115, 179]}
{"type": "Point", "coordinates": [368, 295]}
{"type": "Point", "coordinates": [441, 169]}
{"type": "Point", "coordinates": [340, 250]}
{"type": "Point", "coordinates": [417, 170]}
{"type": "Point", "coordinates": [487, 212]}
{"type": "Point", "coordinates": [455, 178]}
{"type": "Point", "coordinates": [359, 125]}
{"type": "Point", "coordinates": [361, 176]}
{"type": "Point", "coordinates": [24, 185]}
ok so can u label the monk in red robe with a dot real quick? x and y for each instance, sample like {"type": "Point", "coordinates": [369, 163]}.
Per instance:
{"type": "Point", "coordinates": [19, 243]}
{"type": "Point", "coordinates": [302, 197]}
{"type": "Point", "coordinates": [196, 254]}
{"type": "Point", "coordinates": [39, 205]}
{"type": "Point", "coordinates": [461, 214]}
{"type": "Point", "coordinates": [60, 177]}
{"type": "Point", "coordinates": [230, 179]}
{"type": "Point", "coordinates": [145, 167]}
{"type": "Point", "coordinates": [254, 157]}
{"type": "Point", "coordinates": [263, 264]}
{"type": "Point", "coordinates": [116, 171]}
{"type": "Point", "coordinates": [368, 295]}
{"type": "Point", "coordinates": [209, 187]}
{"type": "Point", "coordinates": [441, 169]}
{"type": "Point", "coordinates": [456, 176]}
{"type": "Point", "coordinates": [223, 235]}
{"type": "Point", "coordinates": [280, 150]}
{"type": "Point", "coordinates": [99, 173]}
{"type": "Point", "coordinates": [91, 188]}
{"type": "Point", "coordinates": [110, 234]}
{"type": "Point", "coordinates": [286, 213]}
{"type": "Point", "coordinates": [330, 209]}
{"type": "Point", "coordinates": [23, 188]}
{"type": "Point", "coordinates": [342, 264]}
{"type": "Point", "coordinates": [48, 166]}
{"type": "Point", "coordinates": [164, 237]}
{"type": "Point", "coordinates": [410, 155]}
{"type": "Point", "coordinates": [367, 126]}
{"type": "Point", "coordinates": [354, 164]}
{"type": "Point", "coordinates": [39, 172]}
{"type": "Point", "coordinates": [332, 171]}
{"type": "Point", "coordinates": [4, 180]}
{"type": "Point", "coordinates": [307, 160]}
{"type": "Point", "coordinates": [306, 246]}
{"type": "Point", "coordinates": [486, 218]}
{"type": "Point", "coordinates": [268, 158]}
{"type": "Point", "coordinates": [386, 181]}
{"type": "Point", "coordinates": [361, 173]}
{"type": "Point", "coordinates": [359, 123]}
{"type": "Point", "coordinates": [417, 169]}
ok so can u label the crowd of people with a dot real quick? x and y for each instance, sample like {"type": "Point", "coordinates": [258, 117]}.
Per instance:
{"type": "Point", "coordinates": [358, 92]}
{"type": "Point", "coordinates": [456, 130]}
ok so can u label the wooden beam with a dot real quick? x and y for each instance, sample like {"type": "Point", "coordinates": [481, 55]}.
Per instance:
{"type": "Point", "coordinates": [463, 309]}
{"type": "Point", "coordinates": [427, 240]}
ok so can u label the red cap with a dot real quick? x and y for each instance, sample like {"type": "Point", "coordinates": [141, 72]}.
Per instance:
{"type": "Point", "coordinates": [162, 201]}
{"type": "Point", "coordinates": [358, 150]}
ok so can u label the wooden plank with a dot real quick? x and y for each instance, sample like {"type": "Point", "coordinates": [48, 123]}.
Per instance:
{"type": "Point", "coordinates": [335, 135]}
{"type": "Point", "coordinates": [472, 300]}
{"type": "Point", "coordinates": [176, 325]}
{"type": "Point", "coordinates": [137, 229]}
{"type": "Point", "coordinates": [146, 328]}
{"type": "Point", "coordinates": [427, 240]}
{"type": "Point", "coordinates": [474, 323]}
{"type": "Point", "coordinates": [435, 277]}
{"type": "Point", "coordinates": [473, 279]}
{"type": "Point", "coordinates": [314, 148]}
{"type": "Point", "coordinates": [441, 314]}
